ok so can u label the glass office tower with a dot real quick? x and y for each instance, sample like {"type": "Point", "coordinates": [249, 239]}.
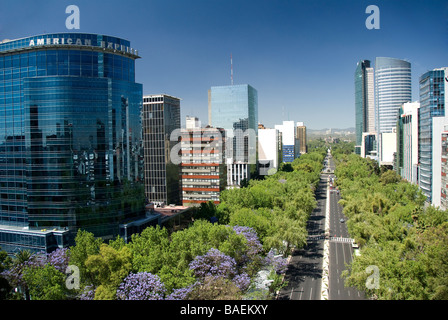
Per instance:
{"type": "Point", "coordinates": [70, 139]}
{"type": "Point", "coordinates": [161, 117]}
{"type": "Point", "coordinates": [432, 107]}
{"type": "Point", "coordinates": [235, 108]}
{"type": "Point", "coordinates": [392, 89]}
{"type": "Point", "coordinates": [364, 102]}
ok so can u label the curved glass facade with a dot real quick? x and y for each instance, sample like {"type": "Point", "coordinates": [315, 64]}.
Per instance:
{"type": "Point", "coordinates": [392, 89]}
{"type": "Point", "coordinates": [71, 153]}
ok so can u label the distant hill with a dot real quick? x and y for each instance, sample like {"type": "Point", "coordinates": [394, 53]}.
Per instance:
{"type": "Point", "coordinates": [345, 134]}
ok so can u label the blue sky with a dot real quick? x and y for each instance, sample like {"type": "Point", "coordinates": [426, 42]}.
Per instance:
{"type": "Point", "coordinates": [300, 55]}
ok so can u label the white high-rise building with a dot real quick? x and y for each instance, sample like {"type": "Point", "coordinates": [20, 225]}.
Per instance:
{"type": "Point", "coordinates": [409, 143]}
{"type": "Point", "coordinates": [268, 150]}
{"type": "Point", "coordinates": [370, 127]}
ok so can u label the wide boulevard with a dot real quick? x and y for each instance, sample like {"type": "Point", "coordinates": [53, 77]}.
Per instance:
{"type": "Point", "coordinates": [304, 274]}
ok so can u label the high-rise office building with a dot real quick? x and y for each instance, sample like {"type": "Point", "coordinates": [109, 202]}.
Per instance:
{"type": "Point", "coordinates": [269, 153]}
{"type": "Point", "coordinates": [301, 137]}
{"type": "Point", "coordinates": [444, 171]}
{"type": "Point", "coordinates": [364, 102]}
{"type": "Point", "coordinates": [70, 139]}
{"type": "Point", "coordinates": [161, 119]}
{"type": "Point", "coordinates": [289, 140]}
{"type": "Point", "coordinates": [432, 118]}
{"type": "Point", "coordinates": [392, 89]}
{"type": "Point", "coordinates": [203, 170]}
{"type": "Point", "coordinates": [235, 109]}
{"type": "Point", "coordinates": [407, 142]}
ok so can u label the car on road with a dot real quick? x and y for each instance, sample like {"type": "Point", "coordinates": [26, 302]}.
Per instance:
{"type": "Point", "coordinates": [341, 220]}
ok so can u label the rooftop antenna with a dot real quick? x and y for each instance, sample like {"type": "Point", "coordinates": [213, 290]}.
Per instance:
{"type": "Point", "coordinates": [231, 70]}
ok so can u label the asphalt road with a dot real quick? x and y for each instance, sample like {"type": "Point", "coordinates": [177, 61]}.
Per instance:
{"type": "Point", "coordinates": [341, 251]}
{"type": "Point", "coordinates": [304, 272]}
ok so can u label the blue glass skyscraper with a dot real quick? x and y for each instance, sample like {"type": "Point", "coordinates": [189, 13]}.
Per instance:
{"type": "Point", "coordinates": [235, 108]}
{"type": "Point", "coordinates": [71, 153]}
{"type": "Point", "coordinates": [432, 107]}
{"type": "Point", "coordinates": [364, 103]}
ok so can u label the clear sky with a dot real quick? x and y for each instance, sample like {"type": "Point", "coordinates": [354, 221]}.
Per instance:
{"type": "Point", "coordinates": [300, 55]}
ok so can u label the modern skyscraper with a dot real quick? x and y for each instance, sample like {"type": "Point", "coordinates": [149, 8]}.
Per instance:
{"type": "Point", "coordinates": [364, 102]}
{"type": "Point", "coordinates": [70, 139]}
{"type": "Point", "coordinates": [392, 89]}
{"type": "Point", "coordinates": [161, 117]}
{"type": "Point", "coordinates": [432, 118]}
{"type": "Point", "coordinates": [444, 171]}
{"type": "Point", "coordinates": [235, 108]}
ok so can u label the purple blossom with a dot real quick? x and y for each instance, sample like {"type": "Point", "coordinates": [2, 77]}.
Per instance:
{"type": "Point", "coordinates": [141, 286]}
{"type": "Point", "coordinates": [15, 274]}
{"type": "Point", "coordinates": [242, 281]}
{"type": "Point", "coordinates": [180, 294]}
{"type": "Point", "coordinates": [251, 236]}
{"type": "Point", "coordinates": [59, 259]}
{"type": "Point", "coordinates": [88, 293]}
{"type": "Point", "coordinates": [278, 263]}
{"type": "Point", "coordinates": [213, 263]}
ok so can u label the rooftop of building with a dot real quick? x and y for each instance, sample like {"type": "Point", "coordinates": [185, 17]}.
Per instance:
{"type": "Point", "coordinates": [26, 229]}
{"type": "Point", "coordinates": [70, 40]}
{"type": "Point", "coordinates": [160, 95]}
{"type": "Point", "coordinates": [167, 210]}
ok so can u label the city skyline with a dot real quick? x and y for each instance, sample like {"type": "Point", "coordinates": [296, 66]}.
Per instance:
{"type": "Point", "coordinates": [290, 52]}
{"type": "Point", "coordinates": [98, 180]}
